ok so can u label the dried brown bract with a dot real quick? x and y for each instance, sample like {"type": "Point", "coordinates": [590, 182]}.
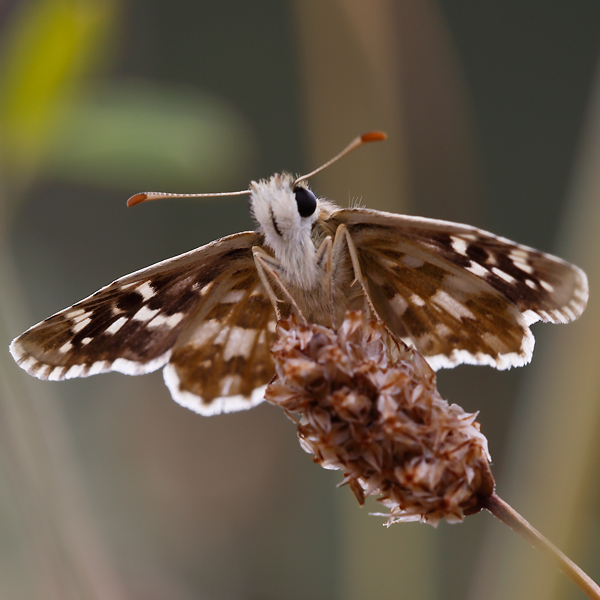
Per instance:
{"type": "Point", "coordinates": [369, 406]}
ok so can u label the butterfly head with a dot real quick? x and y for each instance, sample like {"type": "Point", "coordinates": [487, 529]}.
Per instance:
{"type": "Point", "coordinates": [284, 209]}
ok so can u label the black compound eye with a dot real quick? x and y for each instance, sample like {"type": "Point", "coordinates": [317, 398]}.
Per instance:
{"type": "Point", "coordinates": [306, 201]}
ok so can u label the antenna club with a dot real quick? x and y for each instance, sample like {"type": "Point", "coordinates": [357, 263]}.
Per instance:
{"type": "Point", "coordinates": [137, 199]}
{"type": "Point", "coordinates": [373, 136]}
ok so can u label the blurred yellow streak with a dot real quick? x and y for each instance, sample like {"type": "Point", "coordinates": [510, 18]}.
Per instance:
{"type": "Point", "coordinates": [50, 46]}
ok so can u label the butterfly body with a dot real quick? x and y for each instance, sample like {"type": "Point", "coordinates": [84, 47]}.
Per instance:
{"type": "Point", "coordinates": [299, 245]}
{"type": "Point", "coordinates": [287, 233]}
{"type": "Point", "coordinates": [457, 293]}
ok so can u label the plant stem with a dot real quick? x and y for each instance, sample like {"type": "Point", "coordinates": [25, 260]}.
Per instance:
{"type": "Point", "coordinates": [509, 516]}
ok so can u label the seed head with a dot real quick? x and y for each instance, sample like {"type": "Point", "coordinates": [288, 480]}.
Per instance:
{"type": "Point", "coordinates": [368, 405]}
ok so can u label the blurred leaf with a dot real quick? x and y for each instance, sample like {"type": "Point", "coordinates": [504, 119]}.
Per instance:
{"type": "Point", "coordinates": [50, 46]}
{"type": "Point", "coordinates": [142, 135]}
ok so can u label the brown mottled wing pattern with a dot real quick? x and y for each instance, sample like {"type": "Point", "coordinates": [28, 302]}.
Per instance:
{"type": "Point", "coordinates": [223, 360]}
{"type": "Point", "coordinates": [133, 324]}
{"type": "Point", "coordinates": [460, 294]}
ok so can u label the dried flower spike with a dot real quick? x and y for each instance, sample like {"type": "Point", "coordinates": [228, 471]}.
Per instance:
{"type": "Point", "coordinates": [369, 407]}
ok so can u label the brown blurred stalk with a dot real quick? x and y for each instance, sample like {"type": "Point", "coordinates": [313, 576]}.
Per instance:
{"type": "Point", "coordinates": [362, 71]}
{"type": "Point", "coordinates": [509, 516]}
{"type": "Point", "coordinates": [551, 475]}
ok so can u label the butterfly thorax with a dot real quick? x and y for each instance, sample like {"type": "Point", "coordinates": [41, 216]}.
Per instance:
{"type": "Point", "coordinates": [287, 234]}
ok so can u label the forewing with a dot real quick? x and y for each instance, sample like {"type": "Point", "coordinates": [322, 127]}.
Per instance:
{"type": "Point", "coordinates": [460, 294]}
{"type": "Point", "coordinates": [132, 324]}
{"type": "Point", "coordinates": [222, 362]}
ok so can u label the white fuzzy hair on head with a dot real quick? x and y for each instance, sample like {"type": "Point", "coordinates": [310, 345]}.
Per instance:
{"type": "Point", "coordinates": [273, 206]}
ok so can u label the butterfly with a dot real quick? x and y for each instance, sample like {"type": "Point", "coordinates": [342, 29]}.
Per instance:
{"type": "Point", "coordinates": [456, 293]}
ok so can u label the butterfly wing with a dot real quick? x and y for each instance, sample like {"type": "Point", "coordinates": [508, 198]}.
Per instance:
{"type": "Point", "coordinates": [133, 324]}
{"type": "Point", "coordinates": [460, 294]}
{"type": "Point", "coordinates": [222, 362]}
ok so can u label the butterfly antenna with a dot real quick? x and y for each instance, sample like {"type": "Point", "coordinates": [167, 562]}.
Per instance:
{"type": "Point", "coordinates": [372, 136]}
{"type": "Point", "coordinates": [145, 196]}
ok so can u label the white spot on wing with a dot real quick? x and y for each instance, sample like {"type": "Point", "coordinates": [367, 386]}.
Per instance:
{"type": "Point", "coordinates": [417, 300]}
{"type": "Point", "coordinates": [508, 278]}
{"type": "Point", "coordinates": [387, 263]}
{"type": "Point", "coordinates": [492, 341]}
{"type": "Point", "coordinates": [221, 336]}
{"type": "Point", "coordinates": [524, 267]}
{"type": "Point", "coordinates": [233, 296]}
{"type": "Point", "coordinates": [65, 347]}
{"type": "Point", "coordinates": [461, 284]}
{"type": "Point", "coordinates": [548, 287]}
{"type": "Point", "coordinates": [412, 261]}
{"type": "Point", "coordinates": [206, 289]}
{"type": "Point", "coordinates": [145, 313]}
{"type": "Point", "coordinates": [205, 331]}
{"type": "Point", "coordinates": [442, 330]}
{"type": "Point", "coordinates": [81, 316]}
{"type": "Point", "coordinates": [519, 254]}
{"type": "Point", "coordinates": [519, 258]}
{"type": "Point", "coordinates": [146, 290]}
{"type": "Point", "coordinates": [477, 269]}
{"type": "Point", "coordinates": [81, 325]}
{"type": "Point", "coordinates": [240, 343]}
{"type": "Point", "coordinates": [398, 304]}
{"type": "Point", "coordinates": [451, 306]}
{"type": "Point", "coordinates": [229, 383]}
{"type": "Point", "coordinates": [459, 245]}
{"type": "Point", "coordinates": [116, 325]}
{"type": "Point", "coordinates": [167, 320]}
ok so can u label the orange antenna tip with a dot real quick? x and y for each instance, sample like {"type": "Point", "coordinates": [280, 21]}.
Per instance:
{"type": "Point", "coordinates": [373, 136]}
{"type": "Point", "coordinates": [137, 199]}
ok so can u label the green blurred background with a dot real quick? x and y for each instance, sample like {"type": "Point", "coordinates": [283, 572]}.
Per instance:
{"type": "Point", "coordinates": [110, 490]}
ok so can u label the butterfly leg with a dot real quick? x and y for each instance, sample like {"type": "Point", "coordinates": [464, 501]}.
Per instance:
{"type": "Point", "coordinates": [267, 266]}
{"type": "Point", "coordinates": [343, 237]}
{"type": "Point", "coordinates": [324, 260]}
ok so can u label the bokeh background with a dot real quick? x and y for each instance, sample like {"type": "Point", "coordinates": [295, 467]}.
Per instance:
{"type": "Point", "coordinates": [110, 490]}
